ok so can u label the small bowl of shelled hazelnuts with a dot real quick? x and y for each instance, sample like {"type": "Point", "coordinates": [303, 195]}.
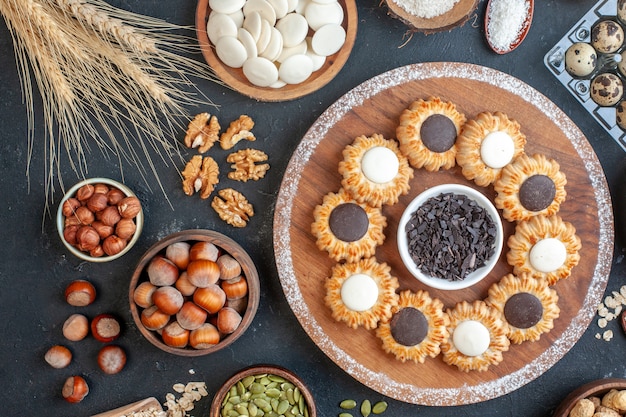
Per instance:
{"type": "Point", "coordinates": [99, 219]}
{"type": "Point", "coordinates": [194, 292]}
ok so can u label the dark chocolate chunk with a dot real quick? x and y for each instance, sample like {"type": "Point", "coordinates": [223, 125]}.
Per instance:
{"type": "Point", "coordinates": [523, 310]}
{"type": "Point", "coordinates": [438, 133]}
{"type": "Point", "coordinates": [348, 222]}
{"type": "Point", "coordinates": [537, 192]}
{"type": "Point", "coordinates": [450, 236]}
{"type": "Point", "coordinates": [409, 326]}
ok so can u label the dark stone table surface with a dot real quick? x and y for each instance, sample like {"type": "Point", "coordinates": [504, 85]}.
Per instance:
{"type": "Point", "coordinates": [35, 267]}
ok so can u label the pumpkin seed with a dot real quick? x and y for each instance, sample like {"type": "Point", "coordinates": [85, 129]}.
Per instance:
{"type": "Point", "coordinates": [366, 408]}
{"type": "Point", "coordinates": [242, 409]}
{"type": "Point", "coordinates": [253, 410]}
{"type": "Point", "coordinates": [240, 388]}
{"type": "Point", "coordinates": [276, 378]}
{"type": "Point", "coordinates": [273, 392]}
{"type": "Point", "coordinates": [347, 404]}
{"type": "Point", "coordinates": [379, 407]}
{"type": "Point", "coordinates": [345, 415]}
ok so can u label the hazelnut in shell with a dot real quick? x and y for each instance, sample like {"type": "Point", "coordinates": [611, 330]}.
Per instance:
{"type": "Point", "coordinates": [235, 288]}
{"type": "Point", "coordinates": [75, 389]}
{"type": "Point", "coordinates": [204, 250]}
{"type": "Point", "coordinates": [76, 327]}
{"type": "Point", "coordinates": [154, 319]}
{"type": "Point", "coordinates": [203, 272]}
{"type": "Point", "coordinates": [58, 356]}
{"type": "Point", "coordinates": [228, 319]}
{"type": "Point", "coordinates": [183, 285]}
{"type": "Point", "coordinates": [239, 304]}
{"type": "Point", "coordinates": [178, 252]}
{"type": "Point", "coordinates": [111, 359]}
{"type": "Point", "coordinates": [211, 298]}
{"type": "Point", "coordinates": [191, 316]}
{"type": "Point", "coordinates": [168, 299]}
{"type": "Point", "coordinates": [204, 337]}
{"type": "Point", "coordinates": [80, 293]}
{"type": "Point", "coordinates": [142, 296]}
{"type": "Point", "coordinates": [175, 336]}
{"type": "Point", "coordinates": [105, 328]}
{"type": "Point", "coordinates": [229, 267]}
{"type": "Point", "coordinates": [162, 271]}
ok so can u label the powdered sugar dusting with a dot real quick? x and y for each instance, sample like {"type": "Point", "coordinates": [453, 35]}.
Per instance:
{"type": "Point", "coordinates": [384, 383]}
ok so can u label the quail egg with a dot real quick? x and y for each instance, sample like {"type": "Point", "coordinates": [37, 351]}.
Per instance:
{"type": "Point", "coordinates": [620, 115]}
{"type": "Point", "coordinates": [607, 36]}
{"type": "Point", "coordinates": [606, 89]}
{"type": "Point", "coordinates": [580, 59]}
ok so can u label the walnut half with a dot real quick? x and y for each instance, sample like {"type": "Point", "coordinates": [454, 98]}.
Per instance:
{"type": "Point", "coordinates": [200, 175]}
{"type": "Point", "coordinates": [232, 207]}
{"type": "Point", "coordinates": [237, 130]}
{"type": "Point", "coordinates": [245, 167]}
{"type": "Point", "coordinates": [202, 132]}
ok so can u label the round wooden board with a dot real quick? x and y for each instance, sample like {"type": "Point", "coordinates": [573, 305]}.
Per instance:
{"type": "Point", "coordinates": [374, 107]}
{"type": "Point", "coordinates": [234, 77]}
{"type": "Point", "coordinates": [456, 16]}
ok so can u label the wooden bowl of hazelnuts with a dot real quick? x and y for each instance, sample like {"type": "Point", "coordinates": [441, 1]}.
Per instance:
{"type": "Point", "coordinates": [194, 292]}
{"type": "Point", "coordinates": [99, 219]}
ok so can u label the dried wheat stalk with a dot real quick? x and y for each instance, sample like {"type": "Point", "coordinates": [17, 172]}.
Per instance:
{"type": "Point", "coordinates": [107, 77]}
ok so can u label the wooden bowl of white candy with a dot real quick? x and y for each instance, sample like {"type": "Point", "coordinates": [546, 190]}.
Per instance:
{"type": "Point", "coordinates": [276, 50]}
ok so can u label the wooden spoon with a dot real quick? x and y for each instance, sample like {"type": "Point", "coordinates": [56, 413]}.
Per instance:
{"type": "Point", "coordinates": [144, 404]}
{"type": "Point", "coordinates": [521, 33]}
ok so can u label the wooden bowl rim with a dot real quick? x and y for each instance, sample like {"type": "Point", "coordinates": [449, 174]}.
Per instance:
{"type": "Point", "coordinates": [598, 386]}
{"type": "Point", "coordinates": [222, 241]}
{"type": "Point", "coordinates": [61, 223]}
{"type": "Point", "coordinates": [234, 78]}
{"type": "Point", "coordinates": [216, 405]}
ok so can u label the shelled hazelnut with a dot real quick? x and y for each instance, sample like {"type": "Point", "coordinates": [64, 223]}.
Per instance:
{"type": "Point", "coordinates": [183, 294]}
{"type": "Point", "coordinates": [99, 219]}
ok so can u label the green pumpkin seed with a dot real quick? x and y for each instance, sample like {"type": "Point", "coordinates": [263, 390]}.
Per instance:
{"type": "Point", "coordinates": [248, 380]}
{"type": "Point", "coordinates": [282, 407]}
{"type": "Point", "coordinates": [263, 405]}
{"type": "Point", "coordinates": [379, 407]}
{"type": "Point", "coordinates": [345, 415]}
{"type": "Point", "coordinates": [273, 392]}
{"type": "Point", "coordinates": [235, 399]}
{"type": "Point", "coordinates": [366, 408]}
{"type": "Point", "coordinates": [276, 378]}
{"type": "Point", "coordinates": [242, 409]}
{"type": "Point", "coordinates": [240, 388]}
{"type": "Point", "coordinates": [290, 396]}
{"type": "Point", "coordinates": [256, 388]}
{"type": "Point", "coordinates": [253, 410]}
{"type": "Point", "coordinates": [233, 413]}
{"type": "Point", "coordinates": [347, 404]}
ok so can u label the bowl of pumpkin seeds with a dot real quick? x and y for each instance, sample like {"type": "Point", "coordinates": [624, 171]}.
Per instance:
{"type": "Point", "coordinates": [262, 390]}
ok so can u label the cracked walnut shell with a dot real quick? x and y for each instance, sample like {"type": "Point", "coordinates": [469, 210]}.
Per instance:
{"type": "Point", "coordinates": [237, 130]}
{"type": "Point", "coordinates": [200, 175]}
{"type": "Point", "coordinates": [233, 207]}
{"type": "Point", "coordinates": [202, 132]}
{"type": "Point", "coordinates": [245, 167]}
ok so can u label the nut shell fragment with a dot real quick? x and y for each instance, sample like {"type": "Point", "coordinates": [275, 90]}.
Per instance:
{"type": "Point", "coordinates": [233, 207]}
{"type": "Point", "coordinates": [202, 132]}
{"type": "Point", "coordinates": [200, 175]}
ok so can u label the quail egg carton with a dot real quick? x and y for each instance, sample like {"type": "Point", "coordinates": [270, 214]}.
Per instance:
{"type": "Point", "coordinates": [580, 87]}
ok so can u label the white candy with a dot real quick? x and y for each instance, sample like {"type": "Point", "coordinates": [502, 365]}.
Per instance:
{"type": "Point", "coordinates": [497, 149]}
{"type": "Point", "coordinates": [262, 7]}
{"type": "Point", "coordinates": [226, 6]}
{"type": "Point", "coordinates": [237, 18]}
{"type": "Point", "coordinates": [359, 292]}
{"type": "Point", "coordinates": [231, 51]}
{"type": "Point", "coordinates": [253, 23]}
{"type": "Point", "coordinates": [278, 84]}
{"type": "Point", "coordinates": [328, 39]}
{"type": "Point", "coordinates": [319, 15]}
{"type": "Point", "coordinates": [380, 165]}
{"type": "Point", "coordinates": [291, 5]}
{"type": "Point", "coordinates": [318, 60]}
{"type": "Point", "coordinates": [294, 29]}
{"type": "Point", "coordinates": [301, 48]}
{"type": "Point", "coordinates": [301, 6]}
{"type": "Point", "coordinates": [248, 42]}
{"type": "Point", "coordinates": [295, 69]}
{"type": "Point", "coordinates": [265, 36]}
{"type": "Point", "coordinates": [260, 71]}
{"type": "Point", "coordinates": [548, 255]}
{"type": "Point", "coordinates": [281, 7]}
{"type": "Point", "coordinates": [471, 338]}
{"type": "Point", "coordinates": [274, 47]}
{"type": "Point", "coordinates": [219, 25]}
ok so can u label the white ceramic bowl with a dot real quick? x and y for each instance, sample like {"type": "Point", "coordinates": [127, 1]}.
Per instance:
{"type": "Point", "coordinates": [475, 276]}
{"type": "Point", "coordinates": [60, 220]}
